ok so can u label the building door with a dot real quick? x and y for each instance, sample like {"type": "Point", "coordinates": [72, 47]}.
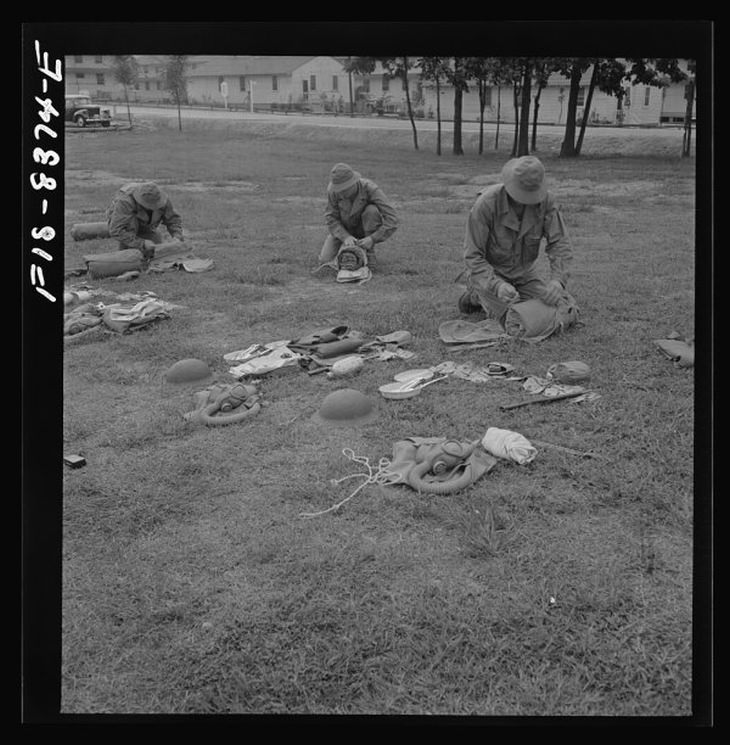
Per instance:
{"type": "Point", "coordinates": [305, 90]}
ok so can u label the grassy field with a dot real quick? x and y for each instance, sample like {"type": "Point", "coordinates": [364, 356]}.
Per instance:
{"type": "Point", "coordinates": [190, 582]}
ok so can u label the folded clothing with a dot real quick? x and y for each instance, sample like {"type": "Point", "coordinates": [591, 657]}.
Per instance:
{"type": "Point", "coordinates": [504, 443]}
{"type": "Point", "coordinates": [277, 358]}
{"type": "Point", "coordinates": [120, 318]}
{"type": "Point", "coordinates": [460, 331]}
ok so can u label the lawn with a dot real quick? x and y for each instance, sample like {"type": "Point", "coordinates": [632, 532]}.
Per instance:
{"type": "Point", "coordinates": [191, 584]}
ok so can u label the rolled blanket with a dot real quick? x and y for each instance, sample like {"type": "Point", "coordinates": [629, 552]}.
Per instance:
{"type": "Point", "coordinates": [114, 263]}
{"type": "Point", "coordinates": [84, 231]}
{"type": "Point", "coordinates": [503, 443]}
{"type": "Point", "coordinates": [533, 320]}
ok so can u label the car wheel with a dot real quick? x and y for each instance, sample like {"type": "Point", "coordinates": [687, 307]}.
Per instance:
{"type": "Point", "coordinates": [80, 121]}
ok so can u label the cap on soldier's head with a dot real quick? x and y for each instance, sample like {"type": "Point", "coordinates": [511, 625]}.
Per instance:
{"type": "Point", "coordinates": [343, 177]}
{"type": "Point", "coordinates": [524, 179]}
{"type": "Point", "coordinates": [149, 195]}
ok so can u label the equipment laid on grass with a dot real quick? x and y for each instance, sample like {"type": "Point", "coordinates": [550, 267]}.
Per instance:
{"type": "Point", "coordinates": [223, 404]}
{"type": "Point", "coordinates": [189, 370]}
{"type": "Point", "coordinates": [545, 399]}
{"type": "Point", "coordinates": [569, 372]}
{"type": "Point", "coordinates": [503, 443]}
{"type": "Point", "coordinates": [408, 388]}
{"type": "Point", "coordinates": [681, 352]}
{"type": "Point", "coordinates": [346, 406]}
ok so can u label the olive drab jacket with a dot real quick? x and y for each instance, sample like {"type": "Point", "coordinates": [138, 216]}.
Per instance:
{"type": "Point", "coordinates": [498, 245]}
{"type": "Point", "coordinates": [126, 218]}
{"type": "Point", "coordinates": [343, 216]}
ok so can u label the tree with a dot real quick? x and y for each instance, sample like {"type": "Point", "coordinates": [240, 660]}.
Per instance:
{"type": "Point", "coordinates": [176, 81]}
{"type": "Point", "coordinates": [400, 66]}
{"type": "Point", "coordinates": [458, 77]}
{"type": "Point", "coordinates": [481, 69]}
{"type": "Point", "coordinates": [434, 68]}
{"type": "Point", "coordinates": [609, 75]}
{"type": "Point", "coordinates": [524, 126]}
{"type": "Point", "coordinates": [542, 69]}
{"type": "Point", "coordinates": [515, 69]}
{"type": "Point", "coordinates": [395, 67]}
{"type": "Point", "coordinates": [502, 73]}
{"type": "Point", "coordinates": [573, 68]}
{"type": "Point", "coordinates": [689, 95]}
{"type": "Point", "coordinates": [126, 71]}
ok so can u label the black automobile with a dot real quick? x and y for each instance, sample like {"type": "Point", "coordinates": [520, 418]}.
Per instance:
{"type": "Point", "coordinates": [83, 113]}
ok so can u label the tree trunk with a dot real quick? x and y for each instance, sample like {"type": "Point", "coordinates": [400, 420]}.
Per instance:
{"type": "Point", "coordinates": [587, 108]}
{"type": "Point", "coordinates": [438, 117]}
{"type": "Point", "coordinates": [179, 115]}
{"type": "Point", "coordinates": [523, 146]}
{"type": "Point", "coordinates": [499, 112]}
{"type": "Point", "coordinates": [458, 101]}
{"type": "Point", "coordinates": [534, 117]}
{"type": "Point", "coordinates": [129, 113]}
{"type": "Point", "coordinates": [349, 79]}
{"type": "Point", "coordinates": [482, 104]}
{"type": "Point", "coordinates": [687, 137]}
{"type": "Point", "coordinates": [567, 149]}
{"type": "Point", "coordinates": [516, 104]}
{"type": "Point", "coordinates": [408, 102]}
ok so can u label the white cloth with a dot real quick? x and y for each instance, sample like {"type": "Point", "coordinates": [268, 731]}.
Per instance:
{"type": "Point", "coordinates": [275, 359]}
{"type": "Point", "coordinates": [503, 443]}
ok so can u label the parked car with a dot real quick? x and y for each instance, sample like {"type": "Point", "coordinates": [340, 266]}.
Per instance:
{"type": "Point", "coordinates": [83, 112]}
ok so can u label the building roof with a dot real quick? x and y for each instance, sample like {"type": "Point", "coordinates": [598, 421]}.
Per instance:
{"type": "Point", "coordinates": [244, 65]}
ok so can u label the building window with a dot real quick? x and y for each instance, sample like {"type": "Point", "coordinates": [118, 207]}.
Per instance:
{"type": "Point", "coordinates": [365, 85]}
{"type": "Point", "coordinates": [78, 58]}
{"type": "Point", "coordinates": [79, 75]}
{"type": "Point", "coordinates": [581, 96]}
{"type": "Point", "coordinates": [627, 98]}
{"type": "Point", "coordinates": [147, 85]}
{"type": "Point", "coordinates": [305, 87]}
{"type": "Point", "coordinates": [274, 83]}
{"type": "Point", "coordinates": [647, 95]}
{"type": "Point", "coordinates": [100, 78]}
{"type": "Point", "coordinates": [386, 82]}
{"type": "Point", "coordinates": [313, 82]}
{"type": "Point", "coordinates": [335, 83]}
{"type": "Point", "coordinates": [242, 82]}
{"type": "Point", "coordinates": [98, 59]}
{"type": "Point", "coordinates": [157, 84]}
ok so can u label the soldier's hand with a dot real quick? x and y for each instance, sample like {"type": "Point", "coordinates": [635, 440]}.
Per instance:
{"type": "Point", "coordinates": [553, 292]}
{"type": "Point", "coordinates": [148, 249]}
{"type": "Point", "coordinates": [507, 293]}
{"type": "Point", "coordinates": [367, 243]}
{"type": "Point", "coordinates": [350, 241]}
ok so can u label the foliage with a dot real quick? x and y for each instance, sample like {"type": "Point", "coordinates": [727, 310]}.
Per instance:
{"type": "Point", "coordinates": [125, 70]}
{"type": "Point", "coordinates": [176, 80]}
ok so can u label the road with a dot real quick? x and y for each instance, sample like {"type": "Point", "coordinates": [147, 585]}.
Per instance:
{"type": "Point", "coordinates": [375, 122]}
